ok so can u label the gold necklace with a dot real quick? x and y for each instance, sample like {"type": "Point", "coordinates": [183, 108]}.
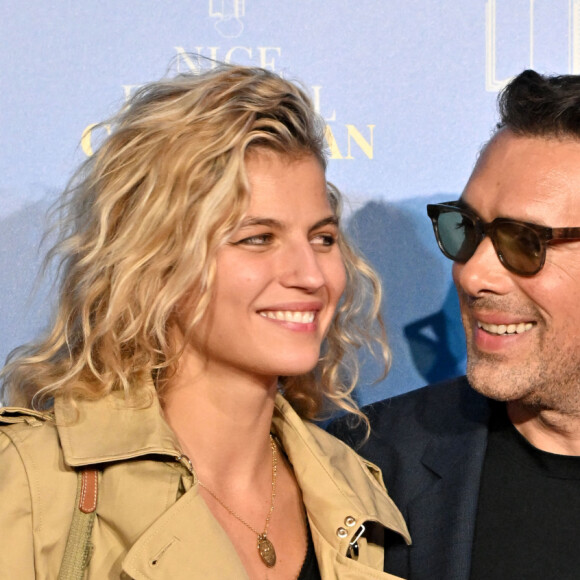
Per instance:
{"type": "Point", "coordinates": [265, 546]}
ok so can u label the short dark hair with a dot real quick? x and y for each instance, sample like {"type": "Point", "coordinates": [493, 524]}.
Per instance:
{"type": "Point", "coordinates": [536, 105]}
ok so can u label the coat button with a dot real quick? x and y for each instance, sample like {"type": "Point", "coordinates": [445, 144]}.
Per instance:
{"type": "Point", "coordinates": [349, 521]}
{"type": "Point", "coordinates": [341, 533]}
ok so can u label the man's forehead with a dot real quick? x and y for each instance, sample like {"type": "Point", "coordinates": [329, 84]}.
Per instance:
{"type": "Point", "coordinates": [528, 178]}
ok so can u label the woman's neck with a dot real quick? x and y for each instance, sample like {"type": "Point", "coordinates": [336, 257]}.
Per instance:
{"type": "Point", "coordinates": [222, 420]}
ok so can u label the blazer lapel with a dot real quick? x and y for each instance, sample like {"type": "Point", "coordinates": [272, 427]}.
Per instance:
{"type": "Point", "coordinates": [442, 514]}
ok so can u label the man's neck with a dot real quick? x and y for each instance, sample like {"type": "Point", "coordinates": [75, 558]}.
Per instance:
{"type": "Point", "coordinates": [550, 431]}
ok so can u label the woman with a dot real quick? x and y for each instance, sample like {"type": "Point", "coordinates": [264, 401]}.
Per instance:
{"type": "Point", "coordinates": [209, 308]}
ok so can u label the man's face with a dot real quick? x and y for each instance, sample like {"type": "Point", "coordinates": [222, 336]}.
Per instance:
{"type": "Point", "coordinates": [523, 333]}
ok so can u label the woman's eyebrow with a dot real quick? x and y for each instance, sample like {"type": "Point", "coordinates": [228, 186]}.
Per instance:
{"type": "Point", "coordinates": [273, 223]}
{"type": "Point", "coordinates": [331, 220]}
{"type": "Point", "coordinates": [260, 221]}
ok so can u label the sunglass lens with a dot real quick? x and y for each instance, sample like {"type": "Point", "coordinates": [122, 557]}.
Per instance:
{"type": "Point", "coordinates": [519, 247]}
{"type": "Point", "coordinates": [457, 234]}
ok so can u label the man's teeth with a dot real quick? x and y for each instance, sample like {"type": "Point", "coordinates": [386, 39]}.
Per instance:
{"type": "Point", "coordinates": [289, 315]}
{"type": "Point", "coordinates": [505, 328]}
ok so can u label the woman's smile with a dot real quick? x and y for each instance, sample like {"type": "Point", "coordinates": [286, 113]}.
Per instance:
{"type": "Point", "coordinates": [282, 265]}
{"type": "Point", "coordinates": [302, 317]}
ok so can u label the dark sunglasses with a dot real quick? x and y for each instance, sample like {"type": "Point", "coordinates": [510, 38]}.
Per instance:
{"type": "Point", "coordinates": [520, 246]}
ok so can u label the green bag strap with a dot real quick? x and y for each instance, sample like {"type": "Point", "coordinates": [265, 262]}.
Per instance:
{"type": "Point", "coordinates": [78, 550]}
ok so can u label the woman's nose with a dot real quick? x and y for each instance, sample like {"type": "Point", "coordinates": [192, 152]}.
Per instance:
{"type": "Point", "coordinates": [301, 267]}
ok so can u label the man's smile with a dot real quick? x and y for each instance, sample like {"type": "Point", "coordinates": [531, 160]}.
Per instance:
{"type": "Point", "coordinates": [500, 329]}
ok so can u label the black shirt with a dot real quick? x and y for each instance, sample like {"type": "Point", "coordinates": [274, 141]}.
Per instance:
{"type": "Point", "coordinates": [528, 517]}
{"type": "Point", "coordinates": [310, 570]}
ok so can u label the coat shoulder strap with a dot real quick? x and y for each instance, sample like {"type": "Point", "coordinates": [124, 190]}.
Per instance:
{"type": "Point", "coordinates": [11, 415]}
{"type": "Point", "coordinates": [79, 548]}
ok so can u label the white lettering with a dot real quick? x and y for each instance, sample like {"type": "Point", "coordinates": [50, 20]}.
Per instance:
{"type": "Point", "coordinates": [316, 102]}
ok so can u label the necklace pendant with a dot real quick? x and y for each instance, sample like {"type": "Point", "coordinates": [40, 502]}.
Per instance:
{"type": "Point", "coordinates": [266, 551]}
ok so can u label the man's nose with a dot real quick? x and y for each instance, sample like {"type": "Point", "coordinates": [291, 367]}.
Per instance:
{"type": "Point", "coordinates": [483, 272]}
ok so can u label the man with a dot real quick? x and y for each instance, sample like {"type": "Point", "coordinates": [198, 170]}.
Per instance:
{"type": "Point", "coordinates": [486, 470]}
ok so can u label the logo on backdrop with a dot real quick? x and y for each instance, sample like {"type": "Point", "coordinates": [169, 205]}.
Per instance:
{"type": "Point", "coordinates": [346, 141]}
{"type": "Point", "coordinates": [228, 15]}
{"type": "Point", "coordinates": [572, 47]}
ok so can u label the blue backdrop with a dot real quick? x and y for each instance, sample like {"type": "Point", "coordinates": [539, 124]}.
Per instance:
{"type": "Point", "coordinates": [407, 88]}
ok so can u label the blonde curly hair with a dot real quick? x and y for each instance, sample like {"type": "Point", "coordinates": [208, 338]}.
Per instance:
{"type": "Point", "coordinates": [166, 185]}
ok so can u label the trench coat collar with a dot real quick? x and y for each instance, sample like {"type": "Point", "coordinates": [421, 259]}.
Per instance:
{"type": "Point", "coordinates": [335, 480]}
{"type": "Point", "coordinates": [331, 476]}
{"type": "Point", "coordinates": [340, 490]}
{"type": "Point", "coordinates": [110, 430]}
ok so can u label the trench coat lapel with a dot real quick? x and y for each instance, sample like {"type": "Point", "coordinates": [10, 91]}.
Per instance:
{"type": "Point", "coordinates": [181, 543]}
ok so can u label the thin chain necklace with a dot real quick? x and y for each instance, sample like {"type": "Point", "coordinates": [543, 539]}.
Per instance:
{"type": "Point", "coordinates": [265, 546]}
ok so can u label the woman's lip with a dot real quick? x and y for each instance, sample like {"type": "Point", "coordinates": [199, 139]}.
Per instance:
{"type": "Point", "coordinates": [293, 316]}
{"type": "Point", "coordinates": [298, 316]}
{"type": "Point", "coordinates": [293, 307]}
{"type": "Point", "coordinates": [302, 321]}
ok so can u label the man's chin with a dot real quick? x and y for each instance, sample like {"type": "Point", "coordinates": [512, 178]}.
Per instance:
{"type": "Point", "coordinates": [493, 382]}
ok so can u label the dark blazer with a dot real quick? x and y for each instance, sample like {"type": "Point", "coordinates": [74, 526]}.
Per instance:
{"type": "Point", "coordinates": [430, 444]}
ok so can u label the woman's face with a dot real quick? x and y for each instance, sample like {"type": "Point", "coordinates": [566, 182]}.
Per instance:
{"type": "Point", "coordinates": [280, 276]}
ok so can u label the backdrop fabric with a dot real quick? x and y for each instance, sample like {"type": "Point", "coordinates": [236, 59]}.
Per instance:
{"type": "Point", "coordinates": [408, 90]}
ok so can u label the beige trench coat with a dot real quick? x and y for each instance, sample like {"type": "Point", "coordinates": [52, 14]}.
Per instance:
{"type": "Point", "coordinates": [151, 521]}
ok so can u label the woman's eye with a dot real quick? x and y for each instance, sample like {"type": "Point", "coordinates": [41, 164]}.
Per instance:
{"type": "Point", "coordinates": [324, 240]}
{"type": "Point", "coordinates": [257, 240]}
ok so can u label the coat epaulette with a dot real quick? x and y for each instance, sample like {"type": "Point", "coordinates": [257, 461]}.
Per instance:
{"type": "Point", "coordinates": [11, 415]}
